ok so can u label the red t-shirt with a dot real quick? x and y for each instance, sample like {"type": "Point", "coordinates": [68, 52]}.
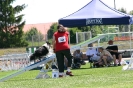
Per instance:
{"type": "Point", "coordinates": [61, 39]}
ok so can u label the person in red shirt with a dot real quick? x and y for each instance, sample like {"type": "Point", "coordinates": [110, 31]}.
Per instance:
{"type": "Point", "coordinates": [61, 49]}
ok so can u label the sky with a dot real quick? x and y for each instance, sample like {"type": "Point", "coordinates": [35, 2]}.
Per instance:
{"type": "Point", "coordinates": [45, 11]}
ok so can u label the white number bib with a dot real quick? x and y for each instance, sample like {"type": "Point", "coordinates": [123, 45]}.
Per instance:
{"type": "Point", "coordinates": [62, 39]}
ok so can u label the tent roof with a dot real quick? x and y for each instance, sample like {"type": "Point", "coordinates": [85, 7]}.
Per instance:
{"type": "Point", "coordinates": [95, 9]}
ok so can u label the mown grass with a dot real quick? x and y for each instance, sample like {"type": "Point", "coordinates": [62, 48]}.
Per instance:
{"type": "Point", "coordinates": [111, 77]}
{"type": "Point", "coordinates": [12, 50]}
{"type": "Point", "coordinates": [36, 43]}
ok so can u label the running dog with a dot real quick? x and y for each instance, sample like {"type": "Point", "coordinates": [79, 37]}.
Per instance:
{"type": "Point", "coordinates": [44, 50]}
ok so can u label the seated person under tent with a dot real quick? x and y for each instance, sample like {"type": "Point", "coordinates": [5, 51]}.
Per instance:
{"type": "Point", "coordinates": [113, 49]}
{"type": "Point", "coordinates": [77, 58]}
{"type": "Point", "coordinates": [105, 58]}
{"type": "Point", "coordinates": [92, 54]}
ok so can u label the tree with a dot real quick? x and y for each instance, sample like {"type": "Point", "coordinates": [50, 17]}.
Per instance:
{"type": "Point", "coordinates": [131, 13]}
{"type": "Point", "coordinates": [72, 32]}
{"type": "Point", "coordinates": [34, 34]}
{"type": "Point", "coordinates": [53, 28]}
{"type": "Point", "coordinates": [123, 28]}
{"type": "Point", "coordinates": [11, 25]}
{"type": "Point", "coordinates": [122, 10]}
{"type": "Point", "coordinates": [93, 29]}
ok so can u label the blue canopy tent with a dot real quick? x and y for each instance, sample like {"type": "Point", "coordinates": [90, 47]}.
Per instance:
{"type": "Point", "coordinates": [96, 13]}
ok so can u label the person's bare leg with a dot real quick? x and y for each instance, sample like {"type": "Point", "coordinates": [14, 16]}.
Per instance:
{"type": "Point", "coordinates": [114, 58]}
{"type": "Point", "coordinates": [119, 59]}
{"type": "Point", "coordinates": [105, 60]}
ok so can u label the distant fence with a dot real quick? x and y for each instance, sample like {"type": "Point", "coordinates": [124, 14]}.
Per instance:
{"type": "Point", "coordinates": [37, 40]}
{"type": "Point", "coordinates": [123, 38]}
{"type": "Point", "coordinates": [14, 61]}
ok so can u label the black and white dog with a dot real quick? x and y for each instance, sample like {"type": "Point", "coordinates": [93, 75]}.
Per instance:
{"type": "Point", "coordinates": [40, 52]}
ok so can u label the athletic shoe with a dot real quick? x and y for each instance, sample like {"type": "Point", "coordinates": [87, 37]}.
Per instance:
{"type": "Point", "coordinates": [119, 64]}
{"type": "Point", "coordinates": [69, 73]}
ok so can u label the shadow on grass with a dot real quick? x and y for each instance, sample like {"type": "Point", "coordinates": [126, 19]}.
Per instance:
{"type": "Point", "coordinates": [82, 75]}
{"type": "Point", "coordinates": [96, 68]}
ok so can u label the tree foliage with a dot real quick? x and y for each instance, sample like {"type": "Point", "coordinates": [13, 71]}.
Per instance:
{"type": "Point", "coordinates": [131, 13]}
{"type": "Point", "coordinates": [72, 32]}
{"type": "Point", "coordinates": [53, 28]}
{"type": "Point", "coordinates": [122, 10]}
{"type": "Point", "coordinates": [34, 35]}
{"type": "Point", "coordinates": [93, 29]}
{"type": "Point", "coordinates": [123, 28]}
{"type": "Point", "coordinates": [11, 25]}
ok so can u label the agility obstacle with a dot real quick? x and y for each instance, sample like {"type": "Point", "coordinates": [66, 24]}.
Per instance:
{"type": "Point", "coordinates": [44, 61]}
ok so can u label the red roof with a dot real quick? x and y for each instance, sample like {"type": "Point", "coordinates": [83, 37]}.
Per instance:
{"type": "Point", "coordinates": [41, 27]}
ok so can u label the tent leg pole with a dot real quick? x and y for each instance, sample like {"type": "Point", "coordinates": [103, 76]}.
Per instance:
{"type": "Point", "coordinates": [130, 38]}
{"type": "Point", "coordinates": [77, 37]}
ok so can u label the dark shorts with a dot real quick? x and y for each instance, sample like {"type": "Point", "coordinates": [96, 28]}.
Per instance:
{"type": "Point", "coordinates": [77, 60]}
{"type": "Point", "coordinates": [109, 59]}
{"type": "Point", "coordinates": [117, 55]}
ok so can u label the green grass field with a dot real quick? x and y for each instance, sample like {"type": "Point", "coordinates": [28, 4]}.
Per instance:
{"type": "Point", "coordinates": [110, 77]}
{"type": "Point", "coordinates": [12, 50]}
